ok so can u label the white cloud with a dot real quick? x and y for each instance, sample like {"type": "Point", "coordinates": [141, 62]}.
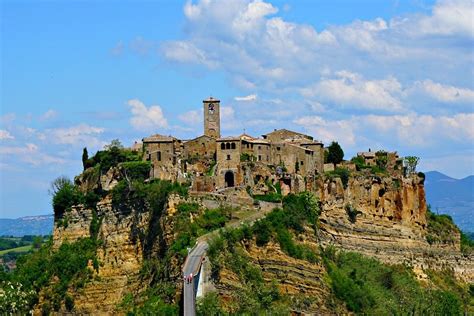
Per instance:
{"type": "Point", "coordinates": [192, 118]}
{"type": "Point", "coordinates": [449, 17]}
{"type": "Point", "coordinates": [31, 154]}
{"type": "Point", "coordinates": [352, 90]}
{"type": "Point", "coordinates": [79, 135]}
{"type": "Point", "coordinates": [327, 131]}
{"type": "Point", "coordinates": [250, 97]}
{"type": "Point", "coordinates": [48, 115]}
{"type": "Point", "coordinates": [412, 130]}
{"type": "Point", "coordinates": [5, 135]}
{"type": "Point", "coordinates": [444, 93]}
{"type": "Point", "coordinates": [146, 119]}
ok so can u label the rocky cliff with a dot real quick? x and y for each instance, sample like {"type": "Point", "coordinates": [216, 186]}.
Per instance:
{"type": "Point", "coordinates": [379, 216]}
{"type": "Point", "coordinates": [386, 218]}
{"type": "Point", "coordinates": [120, 254]}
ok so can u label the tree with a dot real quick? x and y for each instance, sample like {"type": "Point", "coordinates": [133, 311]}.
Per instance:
{"type": "Point", "coordinates": [335, 153]}
{"type": "Point", "coordinates": [114, 144]}
{"type": "Point", "coordinates": [58, 184]}
{"type": "Point", "coordinates": [85, 157]}
{"type": "Point", "coordinates": [410, 163]}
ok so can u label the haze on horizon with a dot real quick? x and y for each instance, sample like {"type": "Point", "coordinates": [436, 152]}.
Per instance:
{"type": "Point", "coordinates": [393, 75]}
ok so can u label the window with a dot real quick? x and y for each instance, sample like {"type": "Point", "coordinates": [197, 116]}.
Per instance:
{"type": "Point", "coordinates": [301, 163]}
{"type": "Point", "coordinates": [148, 157]}
{"type": "Point", "coordinates": [278, 148]}
{"type": "Point", "coordinates": [228, 157]}
{"type": "Point", "coordinates": [259, 157]}
{"type": "Point", "coordinates": [227, 146]}
{"type": "Point", "coordinates": [267, 157]}
{"type": "Point", "coordinates": [158, 155]}
{"type": "Point", "coordinates": [233, 146]}
{"type": "Point", "coordinates": [259, 147]}
{"type": "Point", "coordinates": [222, 146]}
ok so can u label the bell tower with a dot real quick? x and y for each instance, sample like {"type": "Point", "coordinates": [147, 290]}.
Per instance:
{"type": "Point", "coordinates": [212, 119]}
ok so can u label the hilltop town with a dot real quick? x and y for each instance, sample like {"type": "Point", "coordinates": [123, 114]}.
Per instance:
{"type": "Point", "coordinates": [214, 163]}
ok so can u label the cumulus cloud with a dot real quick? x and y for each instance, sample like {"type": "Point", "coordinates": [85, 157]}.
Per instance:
{"type": "Point", "coordinates": [352, 90]}
{"type": "Point", "coordinates": [79, 135]}
{"type": "Point", "coordinates": [449, 17]}
{"type": "Point", "coordinates": [250, 97]}
{"type": "Point", "coordinates": [146, 118]}
{"type": "Point", "coordinates": [4, 135]}
{"type": "Point", "coordinates": [444, 93]}
{"type": "Point", "coordinates": [327, 131]}
{"type": "Point", "coordinates": [409, 130]}
{"type": "Point", "coordinates": [257, 48]}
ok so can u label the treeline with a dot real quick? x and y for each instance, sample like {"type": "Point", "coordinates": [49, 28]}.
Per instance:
{"type": "Point", "coordinates": [15, 242]}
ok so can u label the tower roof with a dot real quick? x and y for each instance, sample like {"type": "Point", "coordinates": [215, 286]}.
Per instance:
{"type": "Point", "coordinates": [211, 99]}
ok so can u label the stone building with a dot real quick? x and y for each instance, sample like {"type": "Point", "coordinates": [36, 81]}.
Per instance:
{"type": "Point", "coordinates": [163, 153]}
{"type": "Point", "coordinates": [211, 162]}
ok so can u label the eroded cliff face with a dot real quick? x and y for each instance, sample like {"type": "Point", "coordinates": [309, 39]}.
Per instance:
{"type": "Point", "coordinates": [304, 282]}
{"type": "Point", "coordinates": [385, 217]}
{"type": "Point", "coordinates": [120, 254]}
{"type": "Point", "coordinates": [382, 217]}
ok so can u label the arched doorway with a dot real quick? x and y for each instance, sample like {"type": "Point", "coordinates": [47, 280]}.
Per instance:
{"type": "Point", "coordinates": [229, 179]}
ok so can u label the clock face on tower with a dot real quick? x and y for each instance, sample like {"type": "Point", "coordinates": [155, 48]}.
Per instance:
{"type": "Point", "coordinates": [211, 108]}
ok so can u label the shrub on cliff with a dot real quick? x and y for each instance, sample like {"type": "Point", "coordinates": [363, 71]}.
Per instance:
{"type": "Point", "coordinates": [65, 195]}
{"type": "Point", "coordinates": [111, 157]}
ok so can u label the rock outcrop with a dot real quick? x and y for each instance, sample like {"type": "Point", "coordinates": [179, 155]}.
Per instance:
{"type": "Point", "coordinates": [385, 217]}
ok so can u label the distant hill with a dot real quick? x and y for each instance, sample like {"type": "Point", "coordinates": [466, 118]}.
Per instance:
{"type": "Point", "coordinates": [453, 197]}
{"type": "Point", "coordinates": [29, 225]}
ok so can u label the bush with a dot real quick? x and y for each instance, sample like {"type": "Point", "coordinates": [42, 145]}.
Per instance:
{"type": "Point", "coordinates": [65, 195]}
{"type": "Point", "coordinates": [341, 173]}
{"type": "Point", "coordinates": [136, 170]}
{"type": "Point", "coordinates": [209, 305]}
{"type": "Point", "coordinates": [440, 228]}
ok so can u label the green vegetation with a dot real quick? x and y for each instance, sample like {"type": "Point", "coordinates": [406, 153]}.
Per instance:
{"type": "Point", "coordinates": [441, 228]}
{"type": "Point", "coordinates": [67, 265]}
{"type": "Point", "coordinates": [65, 195]}
{"type": "Point", "coordinates": [21, 249]}
{"type": "Point", "coordinates": [254, 297]}
{"type": "Point", "coordinates": [297, 212]}
{"type": "Point", "coordinates": [209, 305]}
{"type": "Point", "coordinates": [381, 161]}
{"type": "Point", "coordinates": [411, 162]}
{"type": "Point", "coordinates": [467, 244]}
{"type": "Point", "coordinates": [212, 168]}
{"type": "Point", "coordinates": [203, 222]}
{"type": "Point", "coordinates": [341, 173]}
{"type": "Point", "coordinates": [335, 153]}
{"type": "Point", "coordinates": [273, 195]}
{"type": "Point", "coordinates": [369, 287]}
{"type": "Point", "coordinates": [7, 243]}
{"type": "Point", "coordinates": [111, 156]}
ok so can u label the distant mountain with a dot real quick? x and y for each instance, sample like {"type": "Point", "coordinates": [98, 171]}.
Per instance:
{"type": "Point", "coordinates": [29, 225]}
{"type": "Point", "coordinates": [451, 196]}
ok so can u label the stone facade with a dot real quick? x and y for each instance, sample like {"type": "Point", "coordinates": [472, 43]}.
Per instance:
{"type": "Point", "coordinates": [211, 162]}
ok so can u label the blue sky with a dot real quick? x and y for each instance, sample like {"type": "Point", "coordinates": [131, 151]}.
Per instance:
{"type": "Point", "coordinates": [373, 74]}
